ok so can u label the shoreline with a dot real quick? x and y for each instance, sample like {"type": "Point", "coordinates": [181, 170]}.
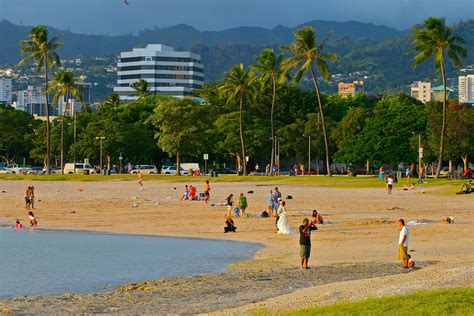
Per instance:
{"type": "Point", "coordinates": [342, 257]}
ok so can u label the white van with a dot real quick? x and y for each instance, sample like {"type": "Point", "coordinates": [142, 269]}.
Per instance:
{"type": "Point", "coordinates": [80, 166]}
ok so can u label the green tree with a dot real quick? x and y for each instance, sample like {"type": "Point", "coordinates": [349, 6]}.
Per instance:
{"type": "Point", "coordinates": [42, 50]}
{"type": "Point", "coordinates": [436, 40]}
{"type": "Point", "coordinates": [307, 55]}
{"type": "Point", "coordinates": [182, 128]}
{"type": "Point", "coordinates": [64, 86]}
{"type": "Point", "coordinates": [239, 85]}
{"type": "Point", "coordinates": [142, 88]}
{"type": "Point", "coordinates": [270, 71]}
{"type": "Point", "coordinates": [113, 100]}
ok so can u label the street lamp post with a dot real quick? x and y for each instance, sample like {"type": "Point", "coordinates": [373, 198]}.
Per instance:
{"type": "Point", "coordinates": [100, 138]}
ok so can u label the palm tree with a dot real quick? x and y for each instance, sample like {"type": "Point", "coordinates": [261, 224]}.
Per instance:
{"type": "Point", "coordinates": [43, 51]}
{"type": "Point", "coordinates": [436, 40]}
{"type": "Point", "coordinates": [64, 85]}
{"type": "Point", "coordinates": [142, 88]}
{"type": "Point", "coordinates": [113, 100]}
{"type": "Point", "coordinates": [238, 86]}
{"type": "Point", "coordinates": [269, 69]}
{"type": "Point", "coordinates": [307, 56]}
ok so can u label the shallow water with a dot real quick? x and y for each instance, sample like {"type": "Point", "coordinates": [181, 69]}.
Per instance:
{"type": "Point", "coordinates": [55, 262]}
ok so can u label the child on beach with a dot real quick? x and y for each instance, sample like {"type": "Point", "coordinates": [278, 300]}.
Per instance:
{"type": "Point", "coordinates": [18, 225]}
{"type": "Point", "coordinates": [192, 193]}
{"type": "Point", "coordinates": [389, 184]}
{"type": "Point", "coordinates": [140, 180]}
{"type": "Point", "coordinates": [33, 221]}
{"type": "Point", "coordinates": [185, 195]}
{"type": "Point", "coordinates": [242, 204]}
{"type": "Point", "coordinates": [207, 190]}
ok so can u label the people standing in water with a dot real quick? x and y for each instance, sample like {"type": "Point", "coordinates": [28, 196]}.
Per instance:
{"type": "Point", "coordinates": [33, 221]}
{"type": "Point", "coordinates": [140, 180]}
{"type": "Point", "coordinates": [207, 189]}
{"type": "Point", "coordinates": [229, 200]}
{"type": "Point", "coordinates": [242, 204]}
{"type": "Point", "coordinates": [305, 242]}
{"type": "Point", "coordinates": [403, 243]}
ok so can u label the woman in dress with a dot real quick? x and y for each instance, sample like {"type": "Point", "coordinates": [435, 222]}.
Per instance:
{"type": "Point", "coordinates": [283, 225]}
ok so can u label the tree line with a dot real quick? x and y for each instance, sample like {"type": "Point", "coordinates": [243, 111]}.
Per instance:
{"type": "Point", "coordinates": [245, 113]}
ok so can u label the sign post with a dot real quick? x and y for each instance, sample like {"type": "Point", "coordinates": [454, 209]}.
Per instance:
{"type": "Point", "coordinates": [206, 158]}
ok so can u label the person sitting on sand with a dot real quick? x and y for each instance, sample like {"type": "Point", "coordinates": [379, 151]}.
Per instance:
{"type": "Point", "coordinates": [317, 218]}
{"type": "Point", "coordinates": [185, 195]}
{"type": "Point", "coordinates": [230, 227]}
{"type": "Point", "coordinates": [33, 221]}
{"type": "Point", "coordinates": [242, 204]}
{"type": "Point", "coordinates": [18, 225]}
{"type": "Point", "coordinates": [403, 243]}
{"type": "Point", "coordinates": [466, 188]}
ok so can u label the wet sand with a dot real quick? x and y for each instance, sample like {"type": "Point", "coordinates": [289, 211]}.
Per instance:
{"type": "Point", "coordinates": [353, 259]}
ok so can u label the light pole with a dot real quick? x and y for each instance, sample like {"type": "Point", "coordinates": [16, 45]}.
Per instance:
{"type": "Point", "coordinates": [100, 138]}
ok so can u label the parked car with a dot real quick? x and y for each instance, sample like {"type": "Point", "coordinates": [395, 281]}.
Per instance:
{"type": "Point", "coordinates": [4, 170]}
{"type": "Point", "coordinates": [80, 167]}
{"type": "Point", "coordinates": [286, 172]}
{"type": "Point", "coordinates": [36, 170]}
{"type": "Point", "coordinates": [145, 169]}
{"type": "Point", "coordinates": [172, 170]}
{"type": "Point", "coordinates": [225, 171]}
{"type": "Point", "coordinates": [444, 172]}
{"type": "Point", "coordinates": [15, 168]}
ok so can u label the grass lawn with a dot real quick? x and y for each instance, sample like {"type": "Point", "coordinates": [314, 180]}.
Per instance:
{"type": "Point", "coordinates": [434, 302]}
{"type": "Point", "coordinates": [448, 186]}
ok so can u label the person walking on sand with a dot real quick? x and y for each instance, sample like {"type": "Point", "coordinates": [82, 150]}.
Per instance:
{"type": "Point", "coordinates": [32, 197]}
{"type": "Point", "coordinates": [403, 243]}
{"type": "Point", "coordinates": [270, 204]}
{"type": "Point", "coordinates": [140, 180]}
{"type": "Point", "coordinates": [242, 204]}
{"type": "Point", "coordinates": [229, 201]}
{"type": "Point", "coordinates": [207, 189]}
{"type": "Point", "coordinates": [389, 184]}
{"type": "Point", "coordinates": [129, 168]}
{"type": "Point", "coordinates": [408, 174]}
{"type": "Point", "coordinates": [305, 242]}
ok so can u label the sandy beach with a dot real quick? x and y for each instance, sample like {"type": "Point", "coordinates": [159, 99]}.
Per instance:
{"type": "Point", "coordinates": [352, 259]}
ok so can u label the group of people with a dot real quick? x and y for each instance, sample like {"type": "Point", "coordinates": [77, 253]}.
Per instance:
{"type": "Point", "coordinates": [29, 205]}
{"type": "Point", "coordinates": [190, 193]}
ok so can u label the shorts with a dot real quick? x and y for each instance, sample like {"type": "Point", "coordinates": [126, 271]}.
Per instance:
{"type": "Point", "coordinates": [402, 252]}
{"type": "Point", "coordinates": [27, 200]}
{"type": "Point", "coordinates": [140, 181]}
{"type": "Point", "coordinates": [305, 251]}
{"type": "Point", "coordinates": [206, 193]}
{"type": "Point", "coordinates": [390, 186]}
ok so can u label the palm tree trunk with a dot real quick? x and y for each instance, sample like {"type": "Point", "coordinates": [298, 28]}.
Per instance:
{"type": "Point", "coordinates": [244, 162]}
{"type": "Point", "coordinates": [272, 161]}
{"type": "Point", "coordinates": [326, 141]}
{"type": "Point", "coordinates": [62, 134]}
{"type": "Point", "coordinates": [443, 125]}
{"type": "Point", "coordinates": [46, 103]}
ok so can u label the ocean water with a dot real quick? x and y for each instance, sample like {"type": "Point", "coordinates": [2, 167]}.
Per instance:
{"type": "Point", "coordinates": [56, 262]}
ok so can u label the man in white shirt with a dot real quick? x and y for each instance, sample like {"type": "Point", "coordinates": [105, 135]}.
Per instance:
{"type": "Point", "coordinates": [403, 243]}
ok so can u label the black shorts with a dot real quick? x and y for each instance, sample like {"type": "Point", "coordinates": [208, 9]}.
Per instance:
{"type": "Point", "coordinates": [27, 200]}
{"type": "Point", "coordinates": [206, 193]}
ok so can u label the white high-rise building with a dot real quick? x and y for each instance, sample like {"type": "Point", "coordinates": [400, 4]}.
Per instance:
{"type": "Point", "coordinates": [6, 91]}
{"type": "Point", "coordinates": [421, 91]}
{"type": "Point", "coordinates": [33, 101]}
{"type": "Point", "coordinates": [167, 71]}
{"type": "Point", "coordinates": [466, 89]}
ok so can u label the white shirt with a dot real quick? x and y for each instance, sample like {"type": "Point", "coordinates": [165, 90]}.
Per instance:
{"type": "Point", "coordinates": [390, 181]}
{"type": "Point", "coordinates": [403, 232]}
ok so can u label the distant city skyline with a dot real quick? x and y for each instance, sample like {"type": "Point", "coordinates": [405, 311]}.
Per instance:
{"type": "Point", "coordinates": [115, 17]}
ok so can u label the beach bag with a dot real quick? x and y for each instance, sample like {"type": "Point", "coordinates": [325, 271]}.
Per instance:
{"type": "Point", "coordinates": [264, 214]}
{"type": "Point", "coordinates": [236, 211]}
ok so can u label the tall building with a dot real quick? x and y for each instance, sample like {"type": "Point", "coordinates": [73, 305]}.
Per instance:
{"type": "Point", "coordinates": [437, 93]}
{"type": "Point", "coordinates": [33, 101]}
{"type": "Point", "coordinates": [350, 89]}
{"type": "Point", "coordinates": [6, 91]}
{"type": "Point", "coordinates": [421, 91]}
{"type": "Point", "coordinates": [167, 71]}
{"type": "Point", "coordinates": [466, 89]}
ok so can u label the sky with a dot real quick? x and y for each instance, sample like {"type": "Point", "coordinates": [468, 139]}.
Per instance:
{"type": "Point", "coordinates": [115, 17]}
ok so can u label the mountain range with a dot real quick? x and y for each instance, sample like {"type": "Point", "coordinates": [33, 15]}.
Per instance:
{"type": "Point", "coordinates": [376, 49]}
